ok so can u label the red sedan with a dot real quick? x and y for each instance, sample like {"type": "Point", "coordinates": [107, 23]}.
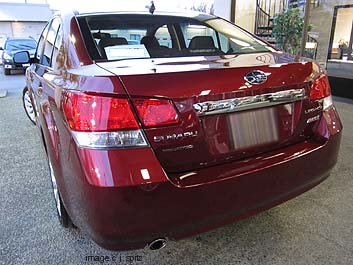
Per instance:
{"type": "Point", "coordinates": [167, 125]}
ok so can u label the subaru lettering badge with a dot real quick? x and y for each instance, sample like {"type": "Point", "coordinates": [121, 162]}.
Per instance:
{"type": "Point", "coordinates": [255, 77]}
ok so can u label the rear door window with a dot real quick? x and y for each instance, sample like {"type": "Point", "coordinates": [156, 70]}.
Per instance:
{"type": "Point", "coordinates": [41, 42]}
{"type": "Point", "coordinates": [49, 43]}
{"type": "Point", "coordinates": [56, 59]}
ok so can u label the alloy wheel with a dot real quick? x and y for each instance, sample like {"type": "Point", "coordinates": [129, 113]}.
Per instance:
{"type": "Point", "coordinates": [28, 106]}
{"type": "Point", "coordinates": [55, 190]}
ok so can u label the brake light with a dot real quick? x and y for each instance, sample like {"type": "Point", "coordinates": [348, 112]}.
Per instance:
{"type": "Point", "coordinates": [101, 122]}
{"type": "Point", "coordinates": [156, 112]}
{"type": "Point", "coordinates": [93, 113]}
{"type": "Point", "coordinates": [320, 88]}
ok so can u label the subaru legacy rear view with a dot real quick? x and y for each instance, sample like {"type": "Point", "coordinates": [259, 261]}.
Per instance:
{"type": "Point", "coordinates": [163, 126]}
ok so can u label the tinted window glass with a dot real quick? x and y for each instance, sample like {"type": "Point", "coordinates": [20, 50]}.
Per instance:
{"type": "Point", "coordinates": [163, 36]}
{"type": "Point", "coordinates": [190, 31]}
{"type": "Point", "coordinates": [49, 43]}
{"type": "Point", "coordinates": [120, 43]}
{"type": "Point", "coordinates": [233, 40]}
{"type": "Point", "coordinates": [56, 58]}
{"type": "Point", "coordinates": [21, 44]}
{"type": "Point", "coordinates": [41, 42]}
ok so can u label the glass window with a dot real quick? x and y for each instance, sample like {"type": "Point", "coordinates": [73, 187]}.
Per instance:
{"type": "Point", "coordinates": [136, 37]}
{"type": "Point", "coordinates": [116, 36]}
{"type": "Point", "coordinates": [233, 40]}
{"type": "Point", "coordinates": [56, 58]}
{"type": "Point", "coordinates": [40, 45]}
{"type": "Point", "coordinates": [163, 37]}
{"type": "Point", "coordinates": [20, 44]}
{"type": "Point", "coordinates": [49, 44]}
{"type": "Point", "coordinates": [343, 34]}
{"type": "Point", "coordinates": [120, 43]}
{"type": "Point", "coordinates": [193, 31]}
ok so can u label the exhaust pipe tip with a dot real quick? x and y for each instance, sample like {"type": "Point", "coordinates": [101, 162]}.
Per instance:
{"type": "Point", "coordinates": [158, 243]}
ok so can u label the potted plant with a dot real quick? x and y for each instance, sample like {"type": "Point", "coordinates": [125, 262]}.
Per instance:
{"type": "Point", "coordinates": [288, 30]}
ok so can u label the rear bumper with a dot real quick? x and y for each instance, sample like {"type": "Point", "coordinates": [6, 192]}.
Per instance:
{"type": "Point", "coordinates": [131, 216]}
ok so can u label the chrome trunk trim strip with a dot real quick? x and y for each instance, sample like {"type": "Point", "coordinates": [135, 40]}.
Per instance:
{"type": "Point", "coordinates": [248, 103]}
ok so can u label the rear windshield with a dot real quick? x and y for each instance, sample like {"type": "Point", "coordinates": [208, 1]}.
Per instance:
{"type": "Point", "coordinates": [121, 36]}
{"type": "Point", "coordinates": [21, 44]}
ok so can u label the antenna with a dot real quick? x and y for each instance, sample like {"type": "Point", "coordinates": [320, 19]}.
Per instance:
{"type": "Point", "coordinates": [152, 8]}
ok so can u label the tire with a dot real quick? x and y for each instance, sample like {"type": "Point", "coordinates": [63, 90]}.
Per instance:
{"type": "Point", "coordinates": [27, 105]}
{"type": "Point", "coordinates": [7, 71]}
{"type": "Point", "coordinates": [62, 214]}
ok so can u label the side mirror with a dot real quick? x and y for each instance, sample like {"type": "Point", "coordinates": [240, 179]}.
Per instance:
{"type": "Point", "coordinates": [21, 57]}
{"type": "Point", "coordinates": [1, 48]}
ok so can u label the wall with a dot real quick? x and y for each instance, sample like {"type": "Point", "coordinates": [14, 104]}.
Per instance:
{"type": "Point", "coordinates": [5, 31]}
{"type": "Point", "coordinates": [20, 29]}
{"type": "Point", "coordinates": [27, 29]}
{"type": "Point", "coordinates": [245, 11]}
{"type": "Point", "coordinates": [22, 20]}
{"type": "Point", "coordinates": [24, 12]}
{"type": "Point", "coordinates": [222, 8]}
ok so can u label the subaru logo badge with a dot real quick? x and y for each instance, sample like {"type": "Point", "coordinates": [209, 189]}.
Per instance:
{"type": "Point", "coordinates": [255, 77]}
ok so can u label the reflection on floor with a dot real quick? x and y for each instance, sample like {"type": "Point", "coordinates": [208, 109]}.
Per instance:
{"type": "Point", "coordinates": [342, 87]}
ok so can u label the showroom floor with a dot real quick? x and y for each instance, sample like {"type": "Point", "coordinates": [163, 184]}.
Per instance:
{"type": "Point", "coordinates": [315, 228]}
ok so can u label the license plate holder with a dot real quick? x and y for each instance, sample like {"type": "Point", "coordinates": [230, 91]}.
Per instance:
{"type": "Point", "coordinates": [253, 128]}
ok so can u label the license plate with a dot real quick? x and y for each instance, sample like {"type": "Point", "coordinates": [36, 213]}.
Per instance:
{"type": "Point", "coordinates": [253, 128]}
{"type": "Point", "coordinates": [25, 64]}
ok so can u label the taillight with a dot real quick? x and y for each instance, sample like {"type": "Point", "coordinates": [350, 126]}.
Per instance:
{"type": "Point", "coordinates": [156, 112]}
{"type": "Point", "coordinates": [102, 122]}
{"type": "Point", "coordinates": [320, 88]}
{"type": "Point", "coordinates": [92, 113]}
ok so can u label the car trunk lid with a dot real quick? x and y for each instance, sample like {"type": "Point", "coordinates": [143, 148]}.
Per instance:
{"type": "Point", "coordinates": [223, 116]}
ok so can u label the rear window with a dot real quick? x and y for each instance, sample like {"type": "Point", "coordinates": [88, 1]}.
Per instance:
{"type": "Point", "coordinates": [21, 44]}
{"type": "Point", "coordinates": [121, 36]}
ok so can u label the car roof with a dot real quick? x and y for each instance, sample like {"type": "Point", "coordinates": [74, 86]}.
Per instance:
{"type": "Point", "coordinates": [94, 12]}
